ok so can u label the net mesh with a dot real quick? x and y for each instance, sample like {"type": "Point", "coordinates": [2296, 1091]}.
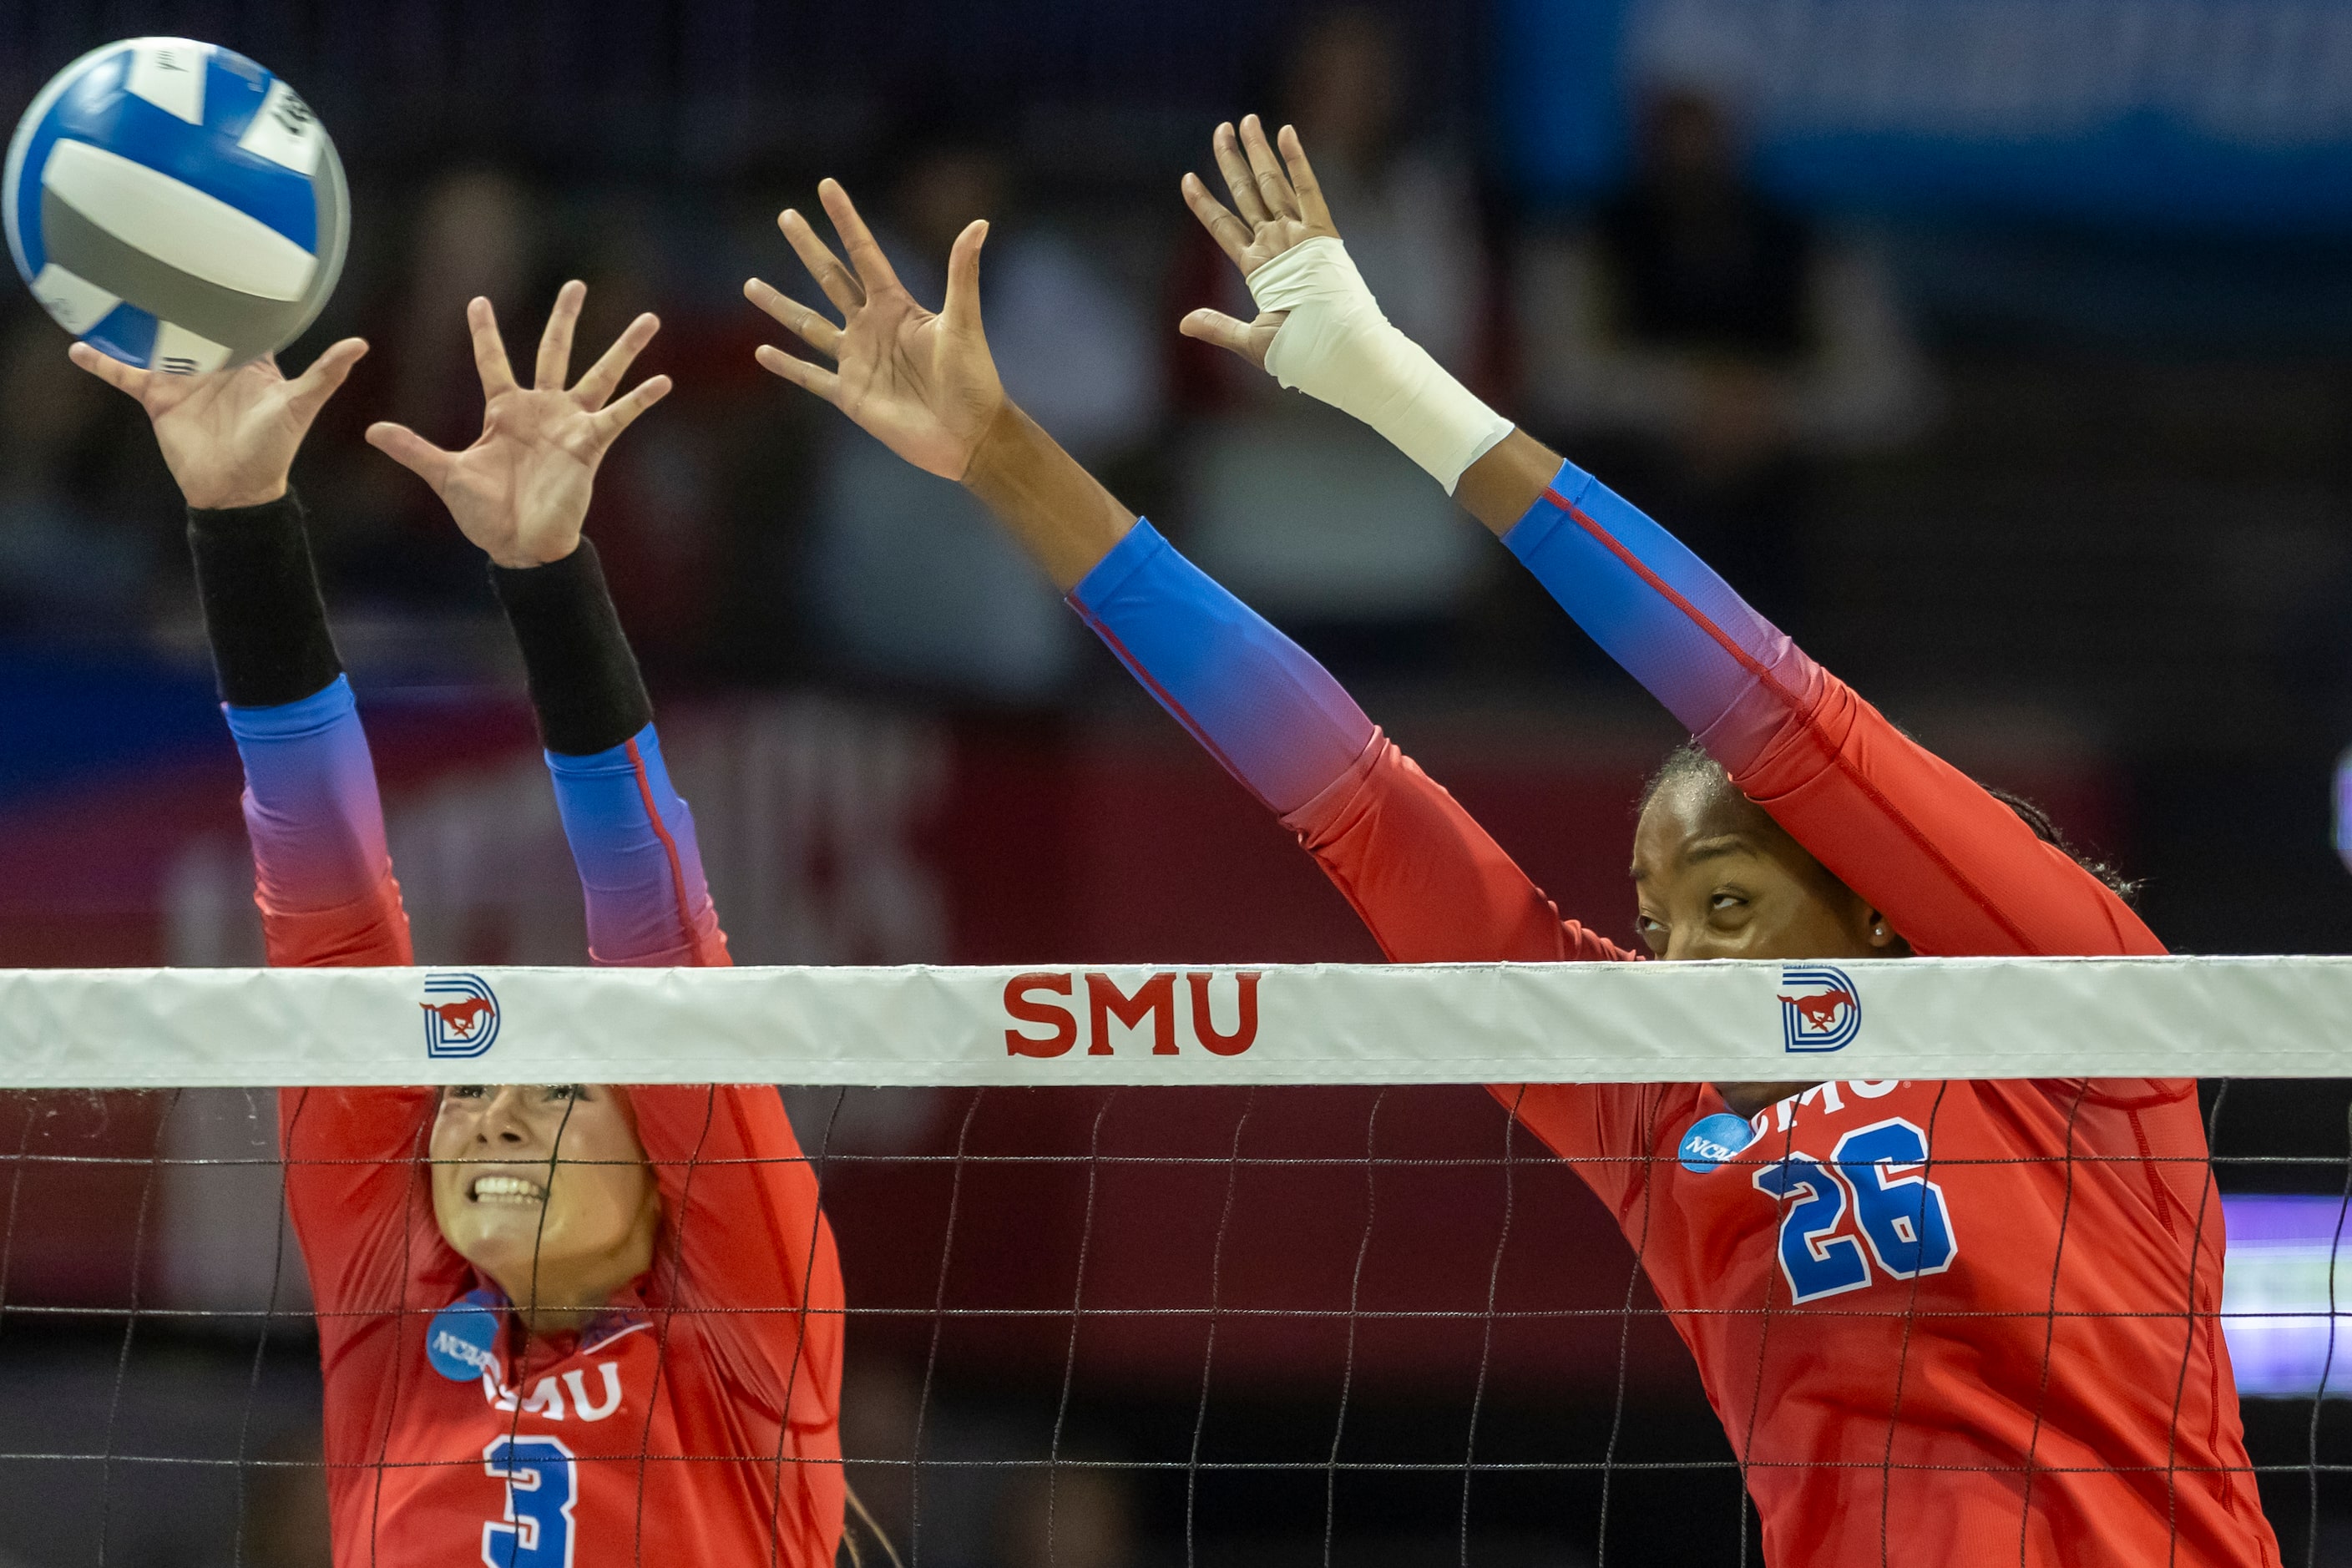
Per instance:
{"type": "Point", "coordinates": [1090, 1326]}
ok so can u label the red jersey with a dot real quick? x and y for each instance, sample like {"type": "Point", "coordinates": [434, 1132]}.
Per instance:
{"type": "Point", "coordinates": [696, 1420]}
{"type": "Point", "coordinates": [694, 1423]}
{"type": "Point", "coordinates": [1941, 1322]}
{"type": "Point", "coordinates": [2022, 1364]}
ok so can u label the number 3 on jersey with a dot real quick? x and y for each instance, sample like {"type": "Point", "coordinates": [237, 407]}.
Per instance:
{"type": "Point", "coordinates": [1901, 1214]}
{"type": "Point", "coordinates": [542, 1487]}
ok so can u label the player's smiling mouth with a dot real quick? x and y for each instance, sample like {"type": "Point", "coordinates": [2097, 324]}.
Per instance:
{"type": "Point", "coordinates": [516, 1190]}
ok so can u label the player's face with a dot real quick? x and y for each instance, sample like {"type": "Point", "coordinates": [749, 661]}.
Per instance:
{"type": "Point", "coordinates": [544, 1183]}
{"type": "Point", "coordinates": [1714, 877]}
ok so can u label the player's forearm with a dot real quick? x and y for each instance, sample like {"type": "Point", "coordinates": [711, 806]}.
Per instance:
{"type": "Point", "coordinates": [1498, 489]}
{"type": "Point", "coordinates": [1274, 717]}
{"type": "Point", "coordinates": [585, 690]}
{"type": "Point", "coordinates": [630, 833]}
{"type": "Point", "coordinates": [1060, 514]}
{"type": "Point", "coordinates": [1659, 611]}
{"type": "Point", "coordinates": [264, 615]}
{"type": "Point", "coordinates": [311, 810]}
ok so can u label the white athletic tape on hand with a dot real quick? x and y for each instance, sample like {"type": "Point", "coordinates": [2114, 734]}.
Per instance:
{"type": "Point", "coordinates": [1338, 347]}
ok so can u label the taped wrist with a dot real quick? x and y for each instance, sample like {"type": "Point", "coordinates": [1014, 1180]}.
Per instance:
{"type": "Point", "coordinates": [263, 613]}
{"type": "Point", "coordinates": [585, 685]}
{"type": "Point", "coordinates": [1336, 347]}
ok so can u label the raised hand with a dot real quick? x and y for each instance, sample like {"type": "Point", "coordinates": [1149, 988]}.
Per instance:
{"type": "Point", "coordinates": [229, 436]}
{"type": "Point", "coordinates": [922, 384]}
{"type": "Point", "coordinates": [521, 491]}
{"type": "Point", "coordinates": [1279, 208]}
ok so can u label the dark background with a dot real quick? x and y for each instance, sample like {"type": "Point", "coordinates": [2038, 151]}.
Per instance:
{"type": "Point", "coordinates": [2084, 522]}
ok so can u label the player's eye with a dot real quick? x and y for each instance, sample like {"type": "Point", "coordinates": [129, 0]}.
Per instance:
{"type": "Point", "coordinates": [466, 1091]}
{"type": "Point", "coordinates": [1652, 930]}
{"type": "Point", "coordinates": [557, 1092]}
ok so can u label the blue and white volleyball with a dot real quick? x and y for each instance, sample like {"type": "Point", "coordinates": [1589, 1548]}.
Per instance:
{"type": "Point", "coordinates": [175, 206]}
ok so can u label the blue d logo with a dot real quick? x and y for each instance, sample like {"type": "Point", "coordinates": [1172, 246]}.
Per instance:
{"type": "Point", "coordinates": [461, 1015]}
{"type": "Point", "coordinates": [1824, 1014]}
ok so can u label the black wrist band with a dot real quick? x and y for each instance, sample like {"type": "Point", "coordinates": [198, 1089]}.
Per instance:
{"type": "Point", "coordinates": [263, 613]}
{"type": "Point", "coordinates": [584, 684]}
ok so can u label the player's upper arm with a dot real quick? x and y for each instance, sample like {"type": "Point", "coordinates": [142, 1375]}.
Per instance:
{"type": "Point", "coordinates": [1950, 866]}
{"type": "Point", "coordinates": [355, 1190]}
{"type": "Point", "coordinates": [744, 1240]}
{"type": "Point", "coordinates": [1433, 886]}
{"type": "Point", "coordinates": [1607, 1131]}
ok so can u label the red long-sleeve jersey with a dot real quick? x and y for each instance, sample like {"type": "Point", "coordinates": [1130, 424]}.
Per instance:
{"type": "Point", "coordinates": [2043, 1382]}
{"type": "Point", "coordinates": [694, 1422]}
{"type": "Point", "coordinates": [1960, 1322]}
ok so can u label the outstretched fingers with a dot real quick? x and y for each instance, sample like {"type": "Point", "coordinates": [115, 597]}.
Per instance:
{"type": "Point", "coordinates": [1232, 235]}
{"type": "Point", "coordinates": [839, 285]}
{"type": "Point", "coordinates": [554, 366]}
{"type": "Point", "coordinates": [1233, 165]}
{"type": "Point", "coordinates": [801, 372]}
{"type": "Point", "coordinates": [108, 369]}
{"type": "Point", "coordinates": [1311, 206]}
{"type": "Point", "coordinates": [809, 326]}
{"type": "Point", "coordinates": [412, 451]}
{"type": "Point", "coordinates": [605, 374]}
{"type": "Point", "coordinates": [309, 392]}
{"type": "Point", "coordinates": [489, 350]}
{"type": "Point", "coordinates": [608, 423]}
{"type": "Point", "coordinates": [865, 254]}
{"type": "Point", "coordinates": [1272, 186]}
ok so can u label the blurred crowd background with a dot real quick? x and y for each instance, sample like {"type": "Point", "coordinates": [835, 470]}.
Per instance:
{"type": "Point", "coordinates": [2001, 350]}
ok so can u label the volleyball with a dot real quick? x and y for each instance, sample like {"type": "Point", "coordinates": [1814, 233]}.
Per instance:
{"type": "Point", "coordinates": [175, 206]}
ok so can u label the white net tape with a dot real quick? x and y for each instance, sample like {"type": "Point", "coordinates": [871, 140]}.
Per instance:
{"type": "Point", "coordinates": [918, 1026]}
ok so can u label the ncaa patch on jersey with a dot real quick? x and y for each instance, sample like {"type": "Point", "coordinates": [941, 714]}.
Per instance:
{"type": "Point", "coordinates": [463, 1339]}
{"type": "Point", "coordinates": [1714, 1139]}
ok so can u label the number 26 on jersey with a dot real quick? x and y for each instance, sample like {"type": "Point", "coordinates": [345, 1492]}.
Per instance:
{"type": "Point", "coordinates": [1878, 1176]}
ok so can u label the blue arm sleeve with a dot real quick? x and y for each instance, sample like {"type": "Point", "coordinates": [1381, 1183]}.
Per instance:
{"type": "Point", "coordinates": [1729, 674]}
{"type": "Point", "coordinates": [1274, 717]}
{"type": "Point", "coordinates": [633, 838]}
{"type": "Point", "coordinates": [311, 801]}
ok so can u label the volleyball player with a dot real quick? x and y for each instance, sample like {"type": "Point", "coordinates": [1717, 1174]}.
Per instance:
{"type": "Point", "coordinates": [561, 1324]}
{"type": "Point", "coordinates": [1940, 1322]}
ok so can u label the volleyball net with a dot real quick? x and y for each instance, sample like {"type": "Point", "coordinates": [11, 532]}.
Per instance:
{"type": "Point", "coordinates": [1148, 1265]}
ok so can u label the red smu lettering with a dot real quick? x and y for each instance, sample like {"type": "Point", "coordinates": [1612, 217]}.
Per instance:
{"type": "Point", "coordinates": [1061, 1020]}
{"type": "Point", "coordinates": [1154, 999]}
{"type": "Point", "coordinates": [1205, 1026]}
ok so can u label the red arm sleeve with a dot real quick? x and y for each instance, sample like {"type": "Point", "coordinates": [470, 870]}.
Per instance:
{"type": "Point", "coordinates": [1434, 887]}
{"type": "Point", "coordinates": [1431, 883]}
{"type": "Point", "coordinates": [356, 1189]}
{"type": "Point", "coordinates": [748, 1256]}
{"type": "Point", "coordinates": [1950, 866]}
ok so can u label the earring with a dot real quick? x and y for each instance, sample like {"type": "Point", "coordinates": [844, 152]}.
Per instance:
{"type": "Point", "coordinates": [1879, 931]}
